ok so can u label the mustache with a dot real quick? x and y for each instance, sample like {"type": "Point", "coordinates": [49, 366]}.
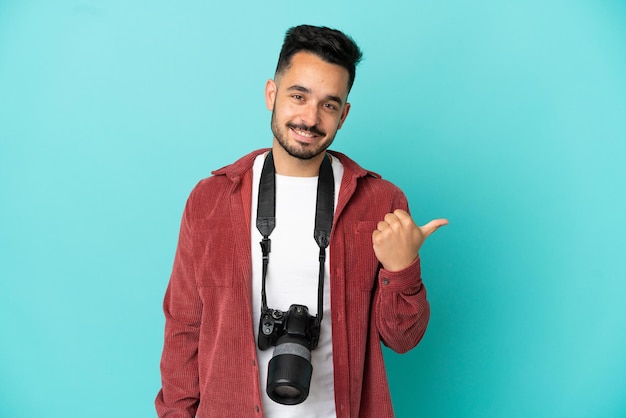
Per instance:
{"type": "Point", "coordinates": [312, 129]}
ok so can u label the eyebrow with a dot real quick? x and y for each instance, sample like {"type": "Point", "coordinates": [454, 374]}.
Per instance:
{"type": "Point", "coordinates": [297, 87]}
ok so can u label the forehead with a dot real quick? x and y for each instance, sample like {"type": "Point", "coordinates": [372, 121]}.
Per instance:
{"type": "Point", "coordinates": [310, 71]}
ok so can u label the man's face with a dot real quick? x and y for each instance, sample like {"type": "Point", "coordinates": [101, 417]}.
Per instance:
{"type": "Point", "coordinates": [309, 104]}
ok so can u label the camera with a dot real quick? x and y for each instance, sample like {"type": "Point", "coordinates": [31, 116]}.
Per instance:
{"type": "Point", "coordinates": [294, 334]}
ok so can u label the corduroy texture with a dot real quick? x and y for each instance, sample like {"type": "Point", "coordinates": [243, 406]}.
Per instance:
{"type": "Point", "coordinates": [209, 365]}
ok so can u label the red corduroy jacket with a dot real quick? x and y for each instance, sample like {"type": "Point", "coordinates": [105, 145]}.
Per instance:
{"type": "Point", "coordinates": [209, 364]}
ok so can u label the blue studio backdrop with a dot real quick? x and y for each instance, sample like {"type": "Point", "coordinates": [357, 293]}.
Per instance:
{"type": "Point", "coordinates": [508, 118]}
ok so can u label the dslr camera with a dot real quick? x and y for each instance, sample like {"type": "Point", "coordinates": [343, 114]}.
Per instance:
{"type": "Point", "coordinates": [294, 334]}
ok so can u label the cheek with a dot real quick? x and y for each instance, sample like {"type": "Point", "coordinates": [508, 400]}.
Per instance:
{"type": "Point", "coordinates": [284, 111]}
{"type": "Point", "coordinates": [339, 123]}
{"type": "Point", "coordinates": [332, 123]}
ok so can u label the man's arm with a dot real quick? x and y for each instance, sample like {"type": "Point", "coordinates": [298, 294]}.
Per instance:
{"type": "Point", "coordinates": [401, 308]}
{"type": "Point", "coordinates": [180, 396]}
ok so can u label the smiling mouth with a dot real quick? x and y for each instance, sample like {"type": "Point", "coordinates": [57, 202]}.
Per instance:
{"type": "Point", "coordinates": [305, 132]}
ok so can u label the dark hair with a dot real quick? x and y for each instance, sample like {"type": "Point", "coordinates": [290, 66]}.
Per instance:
{"type": "Point", "coordinates": [330, 45]}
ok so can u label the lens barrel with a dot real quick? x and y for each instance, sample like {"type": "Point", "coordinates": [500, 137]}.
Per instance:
{"type": "Point", "coordinates": [289, 371]}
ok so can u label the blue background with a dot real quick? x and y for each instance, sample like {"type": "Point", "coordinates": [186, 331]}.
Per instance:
{"type": "Point", "coordinates": [509, 118]}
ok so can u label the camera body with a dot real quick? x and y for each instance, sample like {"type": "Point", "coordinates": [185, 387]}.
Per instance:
{"type": "Point", "coordinates": [294, 334]}
{"type": "Point", "coordinates": [296, 322]}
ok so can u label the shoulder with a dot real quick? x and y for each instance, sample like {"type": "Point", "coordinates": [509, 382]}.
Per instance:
{"type": "Point", "coordinates": [379, 189]}
{"type": "Point", "coordinates": [212, 190]}
{"type": "Point", "coordinates": [366, 191]}
{"type": "Point", "coordinates": [364, 177]}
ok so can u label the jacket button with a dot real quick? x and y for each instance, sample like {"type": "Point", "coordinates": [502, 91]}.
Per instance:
{"type": "Point", "coordinates": [385, 282]}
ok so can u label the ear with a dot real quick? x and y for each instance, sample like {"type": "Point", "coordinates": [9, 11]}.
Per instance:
{"type": "Point", "coordinates": [344, 115]}
{"type": "Point", "coordinates": [270, 94]}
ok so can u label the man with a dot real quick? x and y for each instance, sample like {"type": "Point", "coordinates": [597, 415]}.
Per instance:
{"type": "Point", "coordinates": [229, 300]}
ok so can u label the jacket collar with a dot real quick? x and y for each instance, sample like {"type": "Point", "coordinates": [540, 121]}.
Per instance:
{"type": "Point", "coordinates": [245, 163]}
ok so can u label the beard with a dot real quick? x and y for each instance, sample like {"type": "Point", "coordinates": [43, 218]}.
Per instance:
{"type": "Point", "coordinates": [298, 149]}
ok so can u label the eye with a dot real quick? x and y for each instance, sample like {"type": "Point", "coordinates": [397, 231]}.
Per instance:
{"type": "Point", "coordinates": [297, 97]}
{"type": "Point", "coordinates": [330, 106]}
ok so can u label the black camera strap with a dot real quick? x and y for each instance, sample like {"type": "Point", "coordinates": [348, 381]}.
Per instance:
{"type": "Point", "coordinates": [324, 212]}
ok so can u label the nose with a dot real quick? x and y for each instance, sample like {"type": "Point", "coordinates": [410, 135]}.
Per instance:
{"type": "Point", "coordinates": [310, 114]}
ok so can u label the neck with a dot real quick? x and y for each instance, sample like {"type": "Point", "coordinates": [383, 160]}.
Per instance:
{"type": "Point", "coordinates": [287, 165]}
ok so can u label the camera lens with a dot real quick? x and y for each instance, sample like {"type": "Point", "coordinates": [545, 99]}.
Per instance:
{"type": "Point", "coordinates": [287, 392]}
{"type": "Point", "coordinates": [289, 371]}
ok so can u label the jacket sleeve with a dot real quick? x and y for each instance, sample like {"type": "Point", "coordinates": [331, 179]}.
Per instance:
{"type": "Point", "coordinates": [401, 309]}
{"type": "Point", "coordinates": [179, 396]}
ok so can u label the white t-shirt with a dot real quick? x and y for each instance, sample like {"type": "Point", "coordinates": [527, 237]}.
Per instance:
{"type": "Point", "coordinates": [292, 278]}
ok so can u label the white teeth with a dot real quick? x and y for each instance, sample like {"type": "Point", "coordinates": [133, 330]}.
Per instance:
{"type": "Point", "coordinates": [304, 133]}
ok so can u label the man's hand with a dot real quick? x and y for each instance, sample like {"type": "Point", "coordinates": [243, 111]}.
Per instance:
{"type": "Point", "coordinates": [397, 239]}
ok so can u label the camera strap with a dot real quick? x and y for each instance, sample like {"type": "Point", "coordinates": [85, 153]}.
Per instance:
{"type": "Point", "coordinates": [324, 212]}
